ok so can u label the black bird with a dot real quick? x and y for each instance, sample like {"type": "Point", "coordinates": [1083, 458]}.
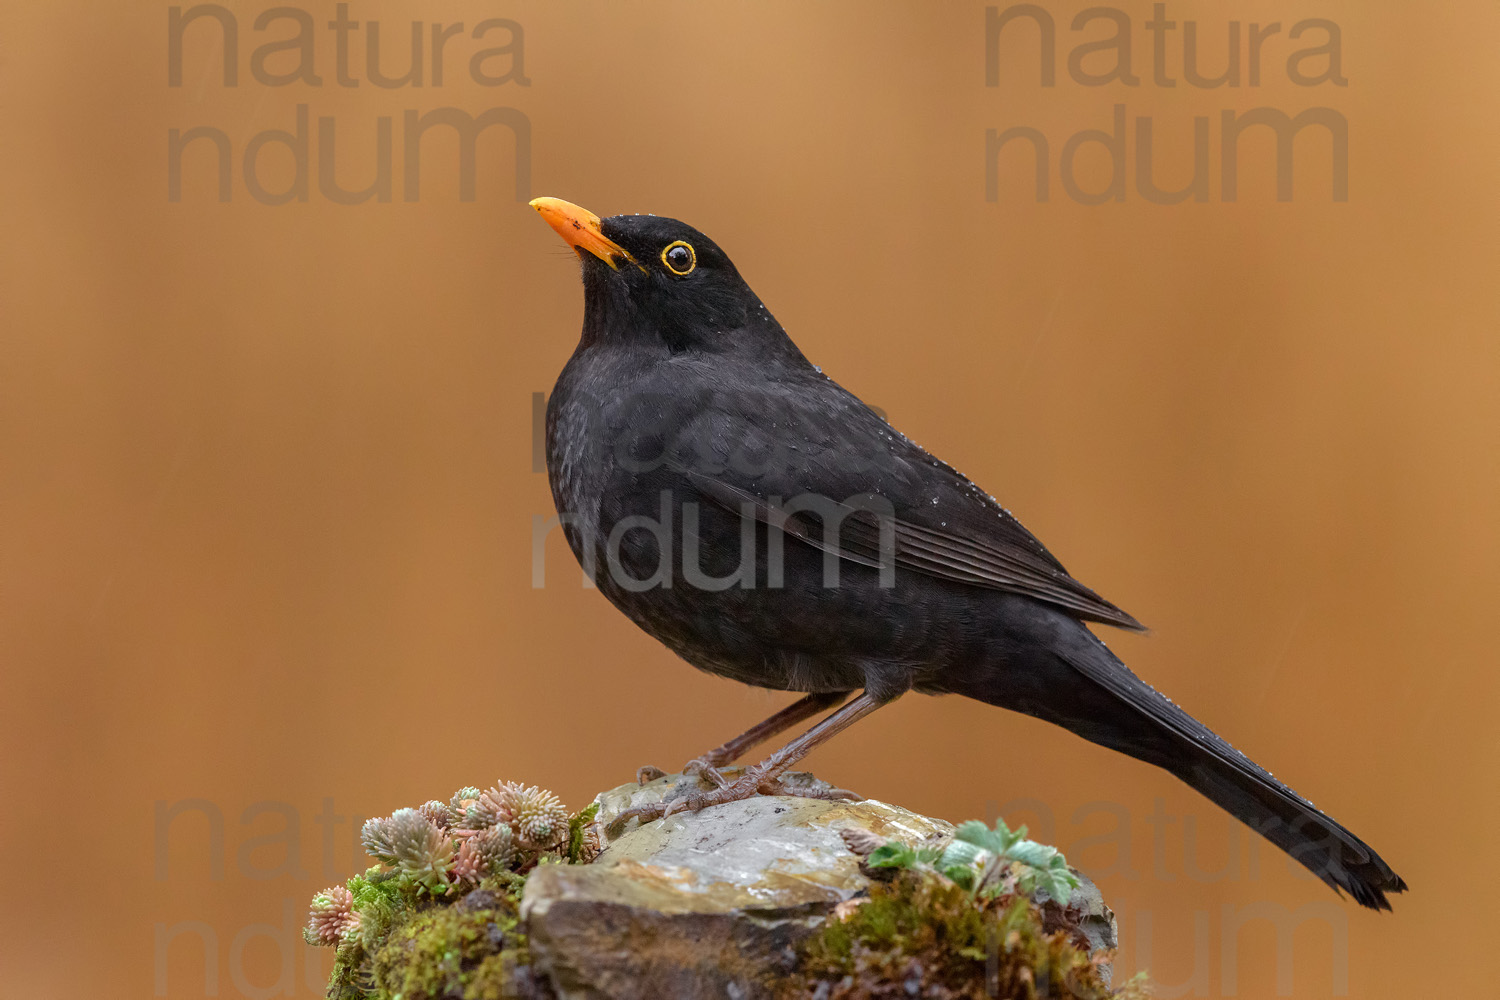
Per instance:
{"type": "Point", "coordinates": [768, 526]}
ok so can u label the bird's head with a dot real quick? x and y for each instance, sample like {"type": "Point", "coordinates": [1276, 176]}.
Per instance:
{"type": "Point", "coordinates": [659, 281]}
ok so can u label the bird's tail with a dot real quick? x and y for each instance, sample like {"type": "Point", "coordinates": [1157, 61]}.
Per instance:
{"type": "Point", "coordinates": [1108, 704]}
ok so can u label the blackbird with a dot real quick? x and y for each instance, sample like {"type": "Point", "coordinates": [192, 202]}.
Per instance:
{"type": "Point", "coordinates": [767, 526]}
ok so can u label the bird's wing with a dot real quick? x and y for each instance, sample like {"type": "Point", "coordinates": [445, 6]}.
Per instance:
{"type": "Point", "coordinates": [936, 522]}
{"type": "Point", "coordinates": [931, 552]}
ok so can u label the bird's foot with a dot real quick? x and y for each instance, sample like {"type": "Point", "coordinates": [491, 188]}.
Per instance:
{"type": "Point", "coordinates": [753, 781]}
{"type": "Point", "coordinates": [706, 768]}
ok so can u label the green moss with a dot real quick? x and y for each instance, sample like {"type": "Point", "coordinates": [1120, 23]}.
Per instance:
{"type": "Point", "coordinates": [923, 935]}
{"type": "Point", "coordinates": [470, 951]}
{"type": "Point", "coordinates": [576, 826]}
{"type": "Point", "coordinates": [382, 899]}
{"type": "Point", "coordinates": [508, 884]}
{"type": "Point", "coordinates": [412, 947]}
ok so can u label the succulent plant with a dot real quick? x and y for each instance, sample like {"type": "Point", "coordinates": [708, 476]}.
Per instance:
{"type": "Point", "coordinates": [500, 800]}
{"type": "Point", "coordinates": [438, 813]}
{"type": "Point", "coordinates": [443, 853]}
{"type": "Point", "coordinates": [462, 798]}
{"type": "Point", "coordinates": [331, 917]}
{"type": "Point", "coordinates": [375, 836]}
{"type": "Point", "coordinates": [407, 840]}
{"type": "Point", "coordinates": [541, 821]}
{"type": "Point", "coordinates": [468, 866]}
{"type": "Point", "coordinates": [477, 816]}
{"type": "Point", "coordinates": [537, 816]}
{"type": "Point", "coordinates": [497, 846]}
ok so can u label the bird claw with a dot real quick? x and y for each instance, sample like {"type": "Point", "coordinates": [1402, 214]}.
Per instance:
{"type": "Point", "coordinates": [645, 814]}
{"type": "Point", "coordinates": [777, 786]}
{"type": "Point", "coordinates": [828, 794]}
{"type": "Point", "coordinates": [647, 773]}
{"type": "Point", "coordinates": [705, 769]}
{"type": "Point", "coordinates": [702, 768]}
{"type": "Point", "coordinates": [753, 781]}
{"type": "Point", "coordinates": [688, 803]}
{"type": "Point", "coordinates": [750, 783]}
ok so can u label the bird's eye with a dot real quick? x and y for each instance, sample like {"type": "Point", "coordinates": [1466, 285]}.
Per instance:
{"type": "Point", "coordinates": [679, 258]}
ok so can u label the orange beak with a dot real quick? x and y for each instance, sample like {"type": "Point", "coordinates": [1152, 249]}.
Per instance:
{"type": "Point", "coordinates": [580, 228]}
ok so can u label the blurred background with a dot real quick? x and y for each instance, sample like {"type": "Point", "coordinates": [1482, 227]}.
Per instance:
{"type": "Point", "coordinates": [267, 482]}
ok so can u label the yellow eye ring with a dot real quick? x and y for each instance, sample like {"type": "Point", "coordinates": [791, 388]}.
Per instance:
{"type": "Point", "coordinates": [672, 260]}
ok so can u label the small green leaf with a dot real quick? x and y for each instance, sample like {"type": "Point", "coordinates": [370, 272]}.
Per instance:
{"type": "Point", "coordinates": [959, 853]}
{"type": "Point", "coordinates": [892, 855]}
{"type": "Point", "coordinates": [1029, 852]}
{"type": "Point", "coordinates": [976, 833]}
{"type": "Point", "coordinates": [962, 875]}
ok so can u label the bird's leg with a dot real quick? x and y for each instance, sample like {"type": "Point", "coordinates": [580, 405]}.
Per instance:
{"type": "Point", "coordinates": [797, 711]}
{"type": "Point", "coordinates": [765, 777]}
{"type": "Point", "coordinates": [707, 766]}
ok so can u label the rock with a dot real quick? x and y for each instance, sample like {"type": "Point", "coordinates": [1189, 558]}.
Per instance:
{"type": "Point", "coordinates": [1087, 912]}
{"type": "Point", "coordinates": [714, 903]}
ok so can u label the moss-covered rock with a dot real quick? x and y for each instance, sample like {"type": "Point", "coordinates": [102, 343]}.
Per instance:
{"type": "Point", "coordinates": [473, 950]}
{"type": "Point", "coordinates": [439, 917]}
{"type": "Point", "coordinates": [925, 936]}
{"type": "Point", "coordinates": [499, 893]}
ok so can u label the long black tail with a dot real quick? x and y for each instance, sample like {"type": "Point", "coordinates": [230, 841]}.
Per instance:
{"type": "Point", "coordinates": [1104, 702]}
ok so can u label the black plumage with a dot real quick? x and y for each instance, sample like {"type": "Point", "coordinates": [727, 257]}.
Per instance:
{"type": "Point", "coordinates": [768, 526]}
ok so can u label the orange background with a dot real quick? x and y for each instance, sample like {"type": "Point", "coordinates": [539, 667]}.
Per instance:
{"type": "Point", "coordinates": [267, 490]}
